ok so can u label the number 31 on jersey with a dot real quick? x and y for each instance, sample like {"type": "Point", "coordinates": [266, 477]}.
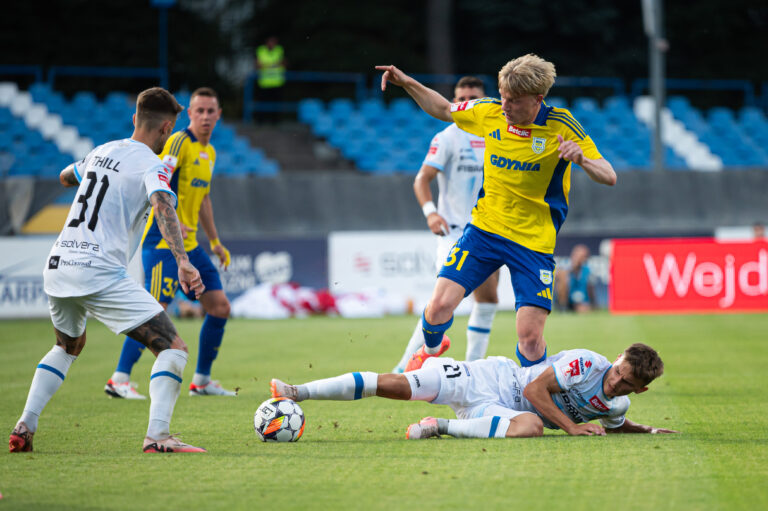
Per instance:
{"type": "Point", "coordinates": [454, 256]}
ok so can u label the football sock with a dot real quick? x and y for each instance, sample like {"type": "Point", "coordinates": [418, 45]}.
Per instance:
{"type": "Point", "coordinates": [132, 350]}
{"type": "Point", "coordinates": [425, 384]}
{"type": "Point", "coordinates": [201, 380]}
{"type": "Point", "coordinates": [120, 377]}
{"type": "Point", "coordinates": [49, 376]}
{"type": "Point", "coordinates": [481, 427]}
{"type": "Point", "coordinates": [341, 388]}
{"type": "Point", "coordinates": [524, 362]}
{"type": "Point", "coordinates": [417, 339]}
{"type": "Point", "coordinates": [211, 334]}
{"type": "Point", "coordinates": [479, 330]}
{"type": "Point", "coordinates": [164, 387]}
{"type": "Point", "coordinates": [433, 334]}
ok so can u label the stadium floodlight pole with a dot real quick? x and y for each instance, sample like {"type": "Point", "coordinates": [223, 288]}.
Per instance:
{"type": "Point", "coordinates": [657, 45]}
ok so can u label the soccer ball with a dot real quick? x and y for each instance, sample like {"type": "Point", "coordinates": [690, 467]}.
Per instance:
{"type": "Point", "coordinates": [279, 420]}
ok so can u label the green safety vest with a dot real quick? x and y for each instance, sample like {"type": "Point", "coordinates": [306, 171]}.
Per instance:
{"type": "Point", "coordinates": [271, 72]}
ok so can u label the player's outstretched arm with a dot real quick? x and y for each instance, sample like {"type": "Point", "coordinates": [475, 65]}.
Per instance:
{"type": "Point", "coordinates": [168, 223]}
{"type": "Point", "coordinates": [634, 427]}
{"type": "Point", "coordinates": [429, 100]}
{"type": "Point", "coordinates": [206, 221]}
{"type": "Point", "coordinates": [67, 176]}
{"type": "Point", "coordinates": [539, 393]}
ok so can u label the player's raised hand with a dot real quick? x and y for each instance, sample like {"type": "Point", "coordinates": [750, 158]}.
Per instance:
{"type": "Point", "coordinates": [391, 75]}
{"type": "Point", "coordinates": [189, 278]}
{"type": "Point", "coordinates": [587, 429]}
{"type": "Point", "coordinates": [570, 150]}
{"type": "Point", "coordinates": [438, 225]}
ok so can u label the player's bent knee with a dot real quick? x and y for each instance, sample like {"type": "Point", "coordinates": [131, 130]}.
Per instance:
{"type": "Point", "coordinates": [525, 425]}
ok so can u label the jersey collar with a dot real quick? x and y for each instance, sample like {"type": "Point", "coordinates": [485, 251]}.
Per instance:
{"type": "Point", "coordinates": [541, 117]}
{"type": "Point", "coordinates": [191, 135]}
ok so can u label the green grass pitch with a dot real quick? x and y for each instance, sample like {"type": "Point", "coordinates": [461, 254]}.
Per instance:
{"type": "Point", "coordinates": [354, 455]}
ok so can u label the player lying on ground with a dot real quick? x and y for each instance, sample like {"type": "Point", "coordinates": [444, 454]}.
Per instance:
{"type": "Point", "coordinates": [497, 398]}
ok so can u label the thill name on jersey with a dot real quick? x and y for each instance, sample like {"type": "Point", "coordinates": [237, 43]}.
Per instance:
{"type": "Point", "coordinates": [524, 197]}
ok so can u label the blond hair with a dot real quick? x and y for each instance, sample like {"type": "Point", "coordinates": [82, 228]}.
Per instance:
{"type": "Point", "coordinates": [645, 362]}
{"type": "Point", "coordinates": [529, 74]}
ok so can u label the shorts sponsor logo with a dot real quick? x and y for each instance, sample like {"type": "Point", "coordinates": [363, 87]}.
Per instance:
{"type": "Point", "coordinates": [508, 163]}
{"type": "Point", "coordinates": [545, 276]}
{"type": "Point", "coordinates": [79, 264]}
{"type": "Point", "coordinates": [595, 401]}
{"type": "Point", "coordinates": [416, 379]}
{"type": "Point", "coordinates": [538, 145]}
{"type": "Point", "coordinates": [520, 132]}
{"type": "Point", "coordinates": [53, 262]}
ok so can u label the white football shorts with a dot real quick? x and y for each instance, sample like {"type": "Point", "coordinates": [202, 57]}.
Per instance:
{"type": "Point", "coordinates": [122, 306]}
{"type": "Point", "coordinates": [471, 389]}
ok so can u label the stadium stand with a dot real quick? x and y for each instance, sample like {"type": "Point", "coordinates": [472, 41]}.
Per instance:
{"type": "Point", "coordinates": [41, 132]}
{"type": "Point", "coordinates": [394, 138]}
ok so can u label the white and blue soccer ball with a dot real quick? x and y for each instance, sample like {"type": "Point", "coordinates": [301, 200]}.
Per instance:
{"type": "Point", "coordinates": [279, 420]}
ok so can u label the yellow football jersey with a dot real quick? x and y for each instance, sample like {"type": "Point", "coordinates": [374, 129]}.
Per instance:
{"type": "Point", "coordinates": [524, 197]}
{"type": "Point", "coordinates": [191, 164]}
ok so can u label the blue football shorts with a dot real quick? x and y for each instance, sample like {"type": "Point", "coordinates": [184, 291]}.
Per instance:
{"type": "Point", "coordinates": [477, 254]}
{"type": "Point", "coordinates": [161, 273]}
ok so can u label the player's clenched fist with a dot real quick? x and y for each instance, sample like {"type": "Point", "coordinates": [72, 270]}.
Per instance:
{"type": "Point", "coordinates": [189, 278]}
{"type": "Point", "coordinates": [570, 150]}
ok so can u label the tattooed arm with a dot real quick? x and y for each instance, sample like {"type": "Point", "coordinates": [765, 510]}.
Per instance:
{"type": "Point", "coordinates": [67, 176]}
{"type": "Point", "coordinates": [168, 223]}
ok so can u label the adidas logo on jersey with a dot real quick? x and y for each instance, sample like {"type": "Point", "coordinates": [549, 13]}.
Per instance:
{"type": "Point", "coordinates": [545, 293]}
{"type": "Point", "coordinates": [495, 134]}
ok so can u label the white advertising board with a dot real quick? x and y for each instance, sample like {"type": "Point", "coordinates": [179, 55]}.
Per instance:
{"type": "Point", "coordinates": [22, 260]}
{"type": "Point", "coordinates": [397, 262]}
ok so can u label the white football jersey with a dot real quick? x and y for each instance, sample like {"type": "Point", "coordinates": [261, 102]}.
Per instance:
{"type": "Point", "coordinates": [580, 374]}
{"type": "Point", "coordinates": [458, 156]}
{"type": "Point", "coordinates": [107, 218]}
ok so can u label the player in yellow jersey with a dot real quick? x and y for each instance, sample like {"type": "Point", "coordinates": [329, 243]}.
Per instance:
{"type": "Point", "coordinates": [529, 147]}
{"type": "Point", "coordinates": [191, 158]}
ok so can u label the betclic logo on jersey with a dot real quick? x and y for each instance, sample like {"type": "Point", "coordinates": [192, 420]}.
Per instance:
{"type": "Point", "coordinates": [520, 132]}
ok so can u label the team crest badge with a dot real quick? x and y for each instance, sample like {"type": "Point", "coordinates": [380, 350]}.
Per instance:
{"type": "Point", "coordinates": [545, 276]}
{"type": "Point", "coordinates": [538, 144]}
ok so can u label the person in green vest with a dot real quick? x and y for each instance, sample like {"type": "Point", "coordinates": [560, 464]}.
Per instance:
{"type": "Point", "coordinates": [270, 62]}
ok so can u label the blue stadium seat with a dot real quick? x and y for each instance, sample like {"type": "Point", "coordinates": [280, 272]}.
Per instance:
{"type": "Point", "coordinates": [556, 101]}
{"type": "Point", "coordinates": [309, 109]}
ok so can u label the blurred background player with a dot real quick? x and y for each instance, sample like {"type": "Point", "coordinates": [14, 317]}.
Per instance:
{"type": "Point", "coordinates": [190, 157]}
{"type": "Point", "coordinates": [574, 285]}
{"type": "Point", "coordinates": [529, 147]}
{"type": "Point", "coordinates": [270, 63]}
{"type": "Point", "coordinates": [87, 269]}
{"type": "Point", "coordinates": [455, 157]}
{"type": "Point", "coordinates": [497, 398]}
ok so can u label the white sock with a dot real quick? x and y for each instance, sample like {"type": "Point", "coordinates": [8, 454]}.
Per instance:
{"type": "Point", "coordinates": [49, 376]}
{"type": "Point", "coordinates": [120, 377]}
{"type": "Point", "coordinates": [164, 387]}
{"type": "Point", "coordinates": [425, 383]}
{"type": "Point", "coordinates": [342, 388]}
{"type": "Point", "coordinates": [479, 330]}
{"type": "Point", "coordinates": [416, 342]}
{"type": "Point", "coordinates": [201, 379]}
{"type": "Point", "coordinates": [481, 427]}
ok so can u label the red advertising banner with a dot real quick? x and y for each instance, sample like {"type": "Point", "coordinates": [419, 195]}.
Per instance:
{"type": "Point", "coordinates": [688, 275]}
